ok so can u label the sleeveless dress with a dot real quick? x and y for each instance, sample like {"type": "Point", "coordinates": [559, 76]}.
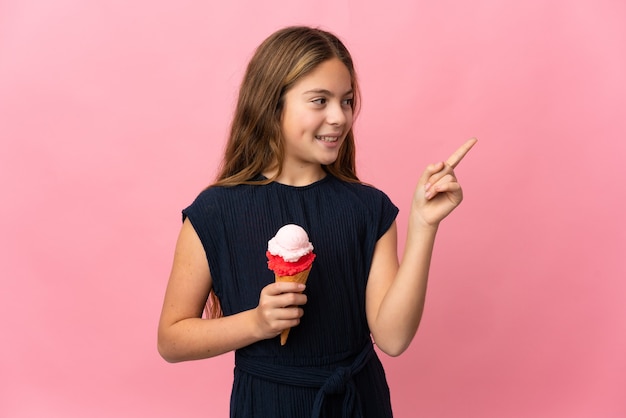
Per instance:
{"type": "Point", "coordinates": [327, 368]}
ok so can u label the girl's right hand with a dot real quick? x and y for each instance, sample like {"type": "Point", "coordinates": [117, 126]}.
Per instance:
{"type": "Point", "coordinates": [279, 308]}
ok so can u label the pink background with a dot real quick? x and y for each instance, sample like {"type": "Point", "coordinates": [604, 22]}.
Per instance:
{"type": "Point", "coordinates": [113, 116]}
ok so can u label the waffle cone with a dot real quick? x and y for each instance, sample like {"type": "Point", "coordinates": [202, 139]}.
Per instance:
{"type": "Point", "coordinates": [296, 278]}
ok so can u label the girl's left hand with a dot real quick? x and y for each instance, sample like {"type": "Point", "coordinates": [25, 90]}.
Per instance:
{"type": "Point", "coordinates": [438, 192]}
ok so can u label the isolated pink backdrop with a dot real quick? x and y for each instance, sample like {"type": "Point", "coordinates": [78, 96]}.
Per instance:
{"type": "Point", "coordinates": [113, 116]}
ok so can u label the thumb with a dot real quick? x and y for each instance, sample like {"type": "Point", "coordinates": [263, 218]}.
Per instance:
{"type": "Point", "coordinates": [429, 171]}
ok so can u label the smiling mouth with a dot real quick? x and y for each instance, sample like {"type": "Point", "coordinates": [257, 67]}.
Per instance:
{"type": "Point", "coordinates": [327, 138]}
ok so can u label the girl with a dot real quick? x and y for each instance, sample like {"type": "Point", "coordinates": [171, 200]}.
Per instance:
{"type": "Point", "coordinates": [290, 158]}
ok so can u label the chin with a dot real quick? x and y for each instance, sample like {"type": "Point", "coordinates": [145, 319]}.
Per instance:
{"type": "Point", "coordinates": [327, 161]}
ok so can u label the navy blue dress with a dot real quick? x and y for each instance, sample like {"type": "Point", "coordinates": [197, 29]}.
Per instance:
{"type": "Point", "coordinates": [327, 367]}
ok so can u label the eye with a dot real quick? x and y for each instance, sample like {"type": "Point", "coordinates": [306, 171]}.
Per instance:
{"type": "Point", "coordinates": [348, 102]}
{"type": "Point", "coordinates": [319, 101]}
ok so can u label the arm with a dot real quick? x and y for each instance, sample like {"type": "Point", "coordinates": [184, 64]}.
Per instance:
{"type": "Point", "coordinates": [184, 335]}
{"type": "Point", "coordinates": [396, 292]}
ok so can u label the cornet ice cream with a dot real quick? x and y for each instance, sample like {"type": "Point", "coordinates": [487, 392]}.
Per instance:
{"type": "Point", "coordinates": [290, 256]}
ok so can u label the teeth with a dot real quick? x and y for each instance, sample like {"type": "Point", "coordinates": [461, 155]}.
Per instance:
{"type": "Point", "coordinates": [327, 138]}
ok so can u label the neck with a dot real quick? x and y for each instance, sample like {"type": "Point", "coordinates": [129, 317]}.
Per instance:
{"type": "Point", "coordinates": [301, 176]}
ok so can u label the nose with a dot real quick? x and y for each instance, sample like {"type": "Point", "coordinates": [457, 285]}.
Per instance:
{"type": "Point", "coordinates": [337, 114]}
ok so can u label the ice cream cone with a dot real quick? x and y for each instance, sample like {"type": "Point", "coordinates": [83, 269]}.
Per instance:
{"type": "Point", "coordinates": [290, 256]}
{"type": "Point", "coordinates": [296, 278]}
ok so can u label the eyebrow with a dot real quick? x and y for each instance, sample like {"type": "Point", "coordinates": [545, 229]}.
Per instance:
{"type": "Point", "coordinates": [326, 92]}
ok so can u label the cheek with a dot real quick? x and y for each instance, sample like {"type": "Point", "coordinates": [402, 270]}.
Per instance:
{"type": "Point", "coordinates": [296, 119]}
{"type": "Point", "coordinates": [349, 120]}
{"type": "Point", "coordinates": [306, 122]}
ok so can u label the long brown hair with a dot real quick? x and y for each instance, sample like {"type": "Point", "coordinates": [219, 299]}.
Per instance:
{"type": "Point", "coordinates": [255, 141]}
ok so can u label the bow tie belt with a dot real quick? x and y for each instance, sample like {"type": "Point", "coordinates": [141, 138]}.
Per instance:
{"type": "Point", "coordinates": [329, 382]}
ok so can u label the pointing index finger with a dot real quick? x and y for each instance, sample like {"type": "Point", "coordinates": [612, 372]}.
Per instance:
{"type": "Point", "coordinates": [458, 155]}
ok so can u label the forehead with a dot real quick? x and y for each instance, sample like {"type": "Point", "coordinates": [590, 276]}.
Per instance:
{"type": "Point", "coordinates": [331, 75]}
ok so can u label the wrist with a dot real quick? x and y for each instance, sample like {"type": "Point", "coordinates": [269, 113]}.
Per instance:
{"type": "Point", "coordinates": [418, 223]}
{"type": "Point", "coordinates": [254, 324]}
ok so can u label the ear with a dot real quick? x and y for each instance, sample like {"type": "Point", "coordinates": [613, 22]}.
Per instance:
{"type": "Point", "coordinates": [280, 106]}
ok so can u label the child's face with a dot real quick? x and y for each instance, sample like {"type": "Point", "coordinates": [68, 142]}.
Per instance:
{"type": "Point", "coordinates": [317, 115]}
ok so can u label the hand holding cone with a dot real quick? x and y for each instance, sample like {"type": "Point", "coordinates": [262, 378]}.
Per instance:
{"type": "Point", "coordinates": [296, 278]}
